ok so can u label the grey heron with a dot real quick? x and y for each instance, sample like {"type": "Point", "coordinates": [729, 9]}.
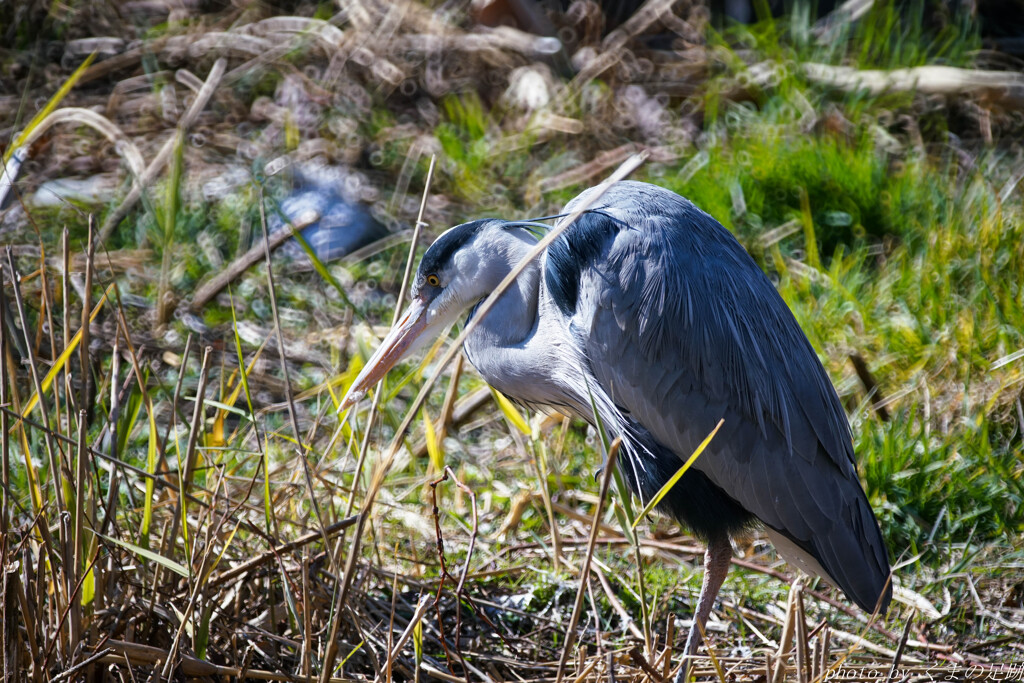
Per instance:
{"type": "Point", "coordinates": [651, 309]}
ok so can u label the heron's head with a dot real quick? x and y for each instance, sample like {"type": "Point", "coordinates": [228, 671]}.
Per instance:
{"type": "Point", "coordinates": [460, 268]}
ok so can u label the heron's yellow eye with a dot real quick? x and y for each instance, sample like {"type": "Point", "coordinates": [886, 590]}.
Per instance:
{"type": "Point", "coordinates": [433, 280]}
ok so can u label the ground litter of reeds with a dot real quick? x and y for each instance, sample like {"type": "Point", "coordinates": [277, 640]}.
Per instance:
{"type": "Point", "coordinates": [181, 498]}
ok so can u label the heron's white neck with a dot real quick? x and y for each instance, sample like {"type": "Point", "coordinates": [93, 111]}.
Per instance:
{"type": "Point", "coordinates": [514, 316]}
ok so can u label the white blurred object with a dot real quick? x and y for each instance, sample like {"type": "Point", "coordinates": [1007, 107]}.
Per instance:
{"type": "Point", "coordinates": [97, 189]}
{"type": "Point", "coordinates": [530, 87]}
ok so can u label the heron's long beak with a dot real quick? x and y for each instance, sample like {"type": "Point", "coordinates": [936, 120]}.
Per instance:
{"type": "Point", "coordinates": [399, 343]}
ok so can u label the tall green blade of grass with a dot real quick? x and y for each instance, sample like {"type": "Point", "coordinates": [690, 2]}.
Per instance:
{"type": "Point", "coordinates": [58, 96]}
{"type": "Point", "coordinates": [170, 221]}
{"type": "Point", "coordinates": [268, 510]}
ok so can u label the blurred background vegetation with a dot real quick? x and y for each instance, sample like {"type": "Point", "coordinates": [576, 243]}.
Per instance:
{"type": "Point", "coordinates": [213, 506]}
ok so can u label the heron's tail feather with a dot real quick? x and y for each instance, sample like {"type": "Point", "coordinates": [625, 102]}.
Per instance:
{"type": "Point", "coordinates": [852, 557]}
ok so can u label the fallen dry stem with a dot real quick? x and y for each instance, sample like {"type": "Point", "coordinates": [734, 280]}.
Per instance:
{"type": "Point", "coordinates": [247, 566]}
{"type": "Point", "coordinates": [145, 179]}
{"type": "Point", "coordinates": [138, 654]}
{"type": "Point", "coordinates": [212, 287]}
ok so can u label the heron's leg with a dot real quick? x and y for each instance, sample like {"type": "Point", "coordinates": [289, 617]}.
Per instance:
{"type": "Point", "coordinates": [716, 566]}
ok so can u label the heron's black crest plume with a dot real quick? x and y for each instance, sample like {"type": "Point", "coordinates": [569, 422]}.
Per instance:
{"type": "Point", "coordinates": [441, 251]}
{"type": "Point", "coordinates": [536, 229]}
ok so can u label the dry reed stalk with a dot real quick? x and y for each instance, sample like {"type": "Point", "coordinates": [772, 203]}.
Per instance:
{"type": "Point", "coordinates": [393, 653]}
{"type": "Point", "coordinates": [84, 413]}
{"type": "Point", "coordinates": [802, 655]}
{"type": "Point", "coordinates": [65, 245]}
{"type": "Point", "coordinates": [399, 303]}
{"type": "Point", "coordinates": [46, 303]}
{"type": "Point", "coordinates": [185, 473]}
{"type": "Point", "coordinates": [390, 644]}
{"type": "Point", "coordinates": [9, 640]}
{"type": "Point", "coordinates": [616, 604]}
{"type": "Point", "coordinates": [899, 650]}
{"type": "Point", "coordinates": [78, 515]}
{"type": "Point", "coordinates": [444, 420]}
{"type": "Point", "coordinates": [170, 663]}
{"type": "Point", "coordinates": [299, 451]}
{"type": "Point", "coordinates": [570, 633]}
{"type": "Point", "coordinates": [87, 664]}
{"type": "Point", "coordinates": [172, 424]}
{"type": "Point", "coordinates": [110, 435]}
{"type": "Point", "coordinates": [305, 663]}
{"type": "Point", "coordinates": [85, 402]}
{"type": "Point", "coordinates": [788, 629]}
{"type": "Point", "coordinates": [540, 469]}
{"type": "Point", "coordinates": [54, 454]}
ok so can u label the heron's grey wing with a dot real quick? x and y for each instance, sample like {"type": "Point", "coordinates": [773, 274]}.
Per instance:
{"type": "Point", "coordinates": [682, 329]}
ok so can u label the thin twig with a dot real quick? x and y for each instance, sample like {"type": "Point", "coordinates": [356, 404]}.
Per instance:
{"type": "Point", "coordinates": [460, 588]}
